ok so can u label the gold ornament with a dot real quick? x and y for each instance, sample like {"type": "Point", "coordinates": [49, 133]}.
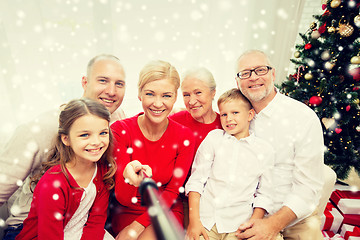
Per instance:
{"type": "Point", "coordinates": [356, 101]}
{"type": "Point", "coordinates": [345, 30]}
{"type": "Point", "coordinates": [331, 29]}
{"type": "Point", "coordinates": [297, 54]}
{"type": "Point", "coordinates": [313, 25]}
{"type": "Point", "coordinates": [335, 3]}
{"type": "Point", "coordinates": [357, 21]}
{"type": "Point", "coordinates": [328, 122]}
{"type": "Point", "coordinates": [355, 60]}
{"type": "Point", "coordinates": [308, 76]}
{"type": "Point", "coordinates": [325, 55]}
{"type": "Point", "coordinates": [315, 34]}
{"type": "Point", "coordinates": [329, 65]}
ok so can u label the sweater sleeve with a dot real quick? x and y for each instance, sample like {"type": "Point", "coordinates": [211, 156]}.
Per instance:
{"type": "Point", "coordinates": [123, 191]}
{"type": "Point", "coordinates": [50, 198]}
{"type": "Point", "coordinates": [24, 152]}
{"type": "Point", "coordinates": [94, 227]}
{"type": "Point", "coordinates": [182, 165]}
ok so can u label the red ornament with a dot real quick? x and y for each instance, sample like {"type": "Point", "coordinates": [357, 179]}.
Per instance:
{"type": "Point", "coordinates": [327, 13]}
{"type": "Point", "coordinates": [338, 130]}
{"type": "Point", "coordinates": [355, 88]}
{"type": "Point", "coordinates": [291, 77]}
{"type": "Point", "coordinates": [308, 46]}
{"type": "Point", "coordinates": [315, 100]}
{"type": "Point", "coordinates": [355, 73]}
{"type": "Point", "coordinates": [322, 29]}
{"type": "Point", "coordinates": [348, 108]}
{"type": "Point", "coordinates": [323, 6]}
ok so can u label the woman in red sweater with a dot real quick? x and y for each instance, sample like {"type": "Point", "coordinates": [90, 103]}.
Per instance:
{"type": "Point", "coordinates": [198, 88]}
{"type": "Point", "coordinates": [70, 200]}
{"type": "Point", "coordinates": [154, 140]}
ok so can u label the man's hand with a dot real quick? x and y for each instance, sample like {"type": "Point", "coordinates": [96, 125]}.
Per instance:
{"type": "Point", "coordinates": [257, 229]}
{"type": "Point", "coordinates": [131, 232]}
{"type": "Point", "coordinates": [133, 172]}
{"type": "Point", "coordinates": [195, 230]}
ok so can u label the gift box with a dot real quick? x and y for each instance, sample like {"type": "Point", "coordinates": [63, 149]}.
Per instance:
{"type": "Point", "coordinates": [329, 235]}
{"type": "Point", "coordinates": [349, 206]}
{"type": "Point", "coordinates": [351, 219]}
{"type": "Point", "coordinates": [350, 232]}
{"type": "Point", "coordinates": [332, 219]}
{"type": "Point", "coordinates": [347, 200]}
{"type": "Point", "coordinates": [343, 194]}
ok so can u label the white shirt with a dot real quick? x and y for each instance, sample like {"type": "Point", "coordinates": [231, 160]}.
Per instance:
{"type": "Point", "coordinates": [295, 133]}
{"type": "Point", "coordinates": [226, 172]}
{"type": "Point", "coordinates": [74, 228]}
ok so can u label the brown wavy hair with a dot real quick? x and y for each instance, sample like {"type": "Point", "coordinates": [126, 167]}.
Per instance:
{"type": "Point", "coordinates": [62, 154]}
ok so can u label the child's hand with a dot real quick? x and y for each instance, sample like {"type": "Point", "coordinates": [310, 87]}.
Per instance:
{"type": "Point", "coordinates": [243, 227]}
{"type": "Point", "coordinates": [195, 230]}
{"type": "Point", "coordinates": [133, 172]}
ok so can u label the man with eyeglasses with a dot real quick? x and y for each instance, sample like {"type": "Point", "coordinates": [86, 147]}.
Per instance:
{"type": "Point", "coordinates": [295, 132]}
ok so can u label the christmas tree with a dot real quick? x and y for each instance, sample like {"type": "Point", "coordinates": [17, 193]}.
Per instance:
{"type": "Point", "coordinates": [326, 78]}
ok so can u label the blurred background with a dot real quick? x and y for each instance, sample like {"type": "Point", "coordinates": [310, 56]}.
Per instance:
{"type": "Point", "coordinates": [46, 45]}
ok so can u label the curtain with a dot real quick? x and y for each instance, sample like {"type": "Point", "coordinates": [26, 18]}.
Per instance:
{"type": "Point", "coordinates": [45, 45]}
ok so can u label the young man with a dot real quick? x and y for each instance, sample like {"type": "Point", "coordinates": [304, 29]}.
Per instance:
{"type": "Point", "coordinates": [231, 179]}
{"type": "Point", "coordinates": [28, 147]}
{"type": "Point", "coordinates": [295, 133]}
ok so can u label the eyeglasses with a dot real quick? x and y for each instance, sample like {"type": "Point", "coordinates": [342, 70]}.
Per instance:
{"type": "Point", "coordinates": [260, 71]}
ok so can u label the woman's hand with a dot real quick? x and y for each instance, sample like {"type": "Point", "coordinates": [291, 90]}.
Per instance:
{"type": "Point", "coordinates": [133, 172]}
{"type": "Point", "coordinates": [131, 232]}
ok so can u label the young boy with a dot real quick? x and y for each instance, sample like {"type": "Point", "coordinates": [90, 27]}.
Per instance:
{"type": "Point", "coordinates": [230, 178]}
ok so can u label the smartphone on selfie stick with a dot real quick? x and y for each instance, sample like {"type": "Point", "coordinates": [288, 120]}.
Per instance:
{"type": "Point", "coordinates": [165, 225]}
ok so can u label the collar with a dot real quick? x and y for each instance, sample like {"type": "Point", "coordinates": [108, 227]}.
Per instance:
{"type": "Point", "coordinates": [270, 108]}
{"type": "Point", "coordinates": [249, 139]}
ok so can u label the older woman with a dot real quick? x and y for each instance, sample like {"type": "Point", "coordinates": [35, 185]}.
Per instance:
{"type": "Point", "coordinates": [198, 88]}
{"type": "Point", "coordinates": [154, 140]}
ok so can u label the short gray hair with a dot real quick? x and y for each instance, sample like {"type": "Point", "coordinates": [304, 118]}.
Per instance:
{"type": "Point", "coordinates": [202, 74]}
{"type": "Point", "coordinates": [250, 52]}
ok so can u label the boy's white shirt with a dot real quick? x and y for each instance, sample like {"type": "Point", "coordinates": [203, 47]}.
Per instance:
{"type": "Point", "coordinates": [226, 172]}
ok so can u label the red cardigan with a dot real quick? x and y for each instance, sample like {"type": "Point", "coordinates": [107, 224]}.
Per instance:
{"type": "Point", "coordinates": [54, 203]}
{"type": "Point", "coordinates": [200, 130]}
{"type": "Point", "coordinates": [169, 157]}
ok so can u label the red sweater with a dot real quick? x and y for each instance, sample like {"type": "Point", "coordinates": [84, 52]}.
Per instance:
{"type": "Point", "coordinates": [55, 202]}
{"type": "Point", "coordinates": [169, 157]}
{"type": "Point", "coordinates": [200, 130]}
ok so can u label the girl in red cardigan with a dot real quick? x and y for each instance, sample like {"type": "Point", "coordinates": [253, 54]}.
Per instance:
{"type": "Point", "coordinates": [154, 140]}
{"type": "Point", "coordinates": [70, 200]}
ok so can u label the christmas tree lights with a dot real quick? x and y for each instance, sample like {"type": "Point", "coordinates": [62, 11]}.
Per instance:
{"type": "Point", "coordinates": [327, 79]}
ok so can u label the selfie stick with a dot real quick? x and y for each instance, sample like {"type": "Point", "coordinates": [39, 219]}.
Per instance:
{"type": "Point", "coordinates": [165, 225]}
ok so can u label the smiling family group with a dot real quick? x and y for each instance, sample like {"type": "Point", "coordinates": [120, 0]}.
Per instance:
{"type": "Point", "coordinates": [251, 171]}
